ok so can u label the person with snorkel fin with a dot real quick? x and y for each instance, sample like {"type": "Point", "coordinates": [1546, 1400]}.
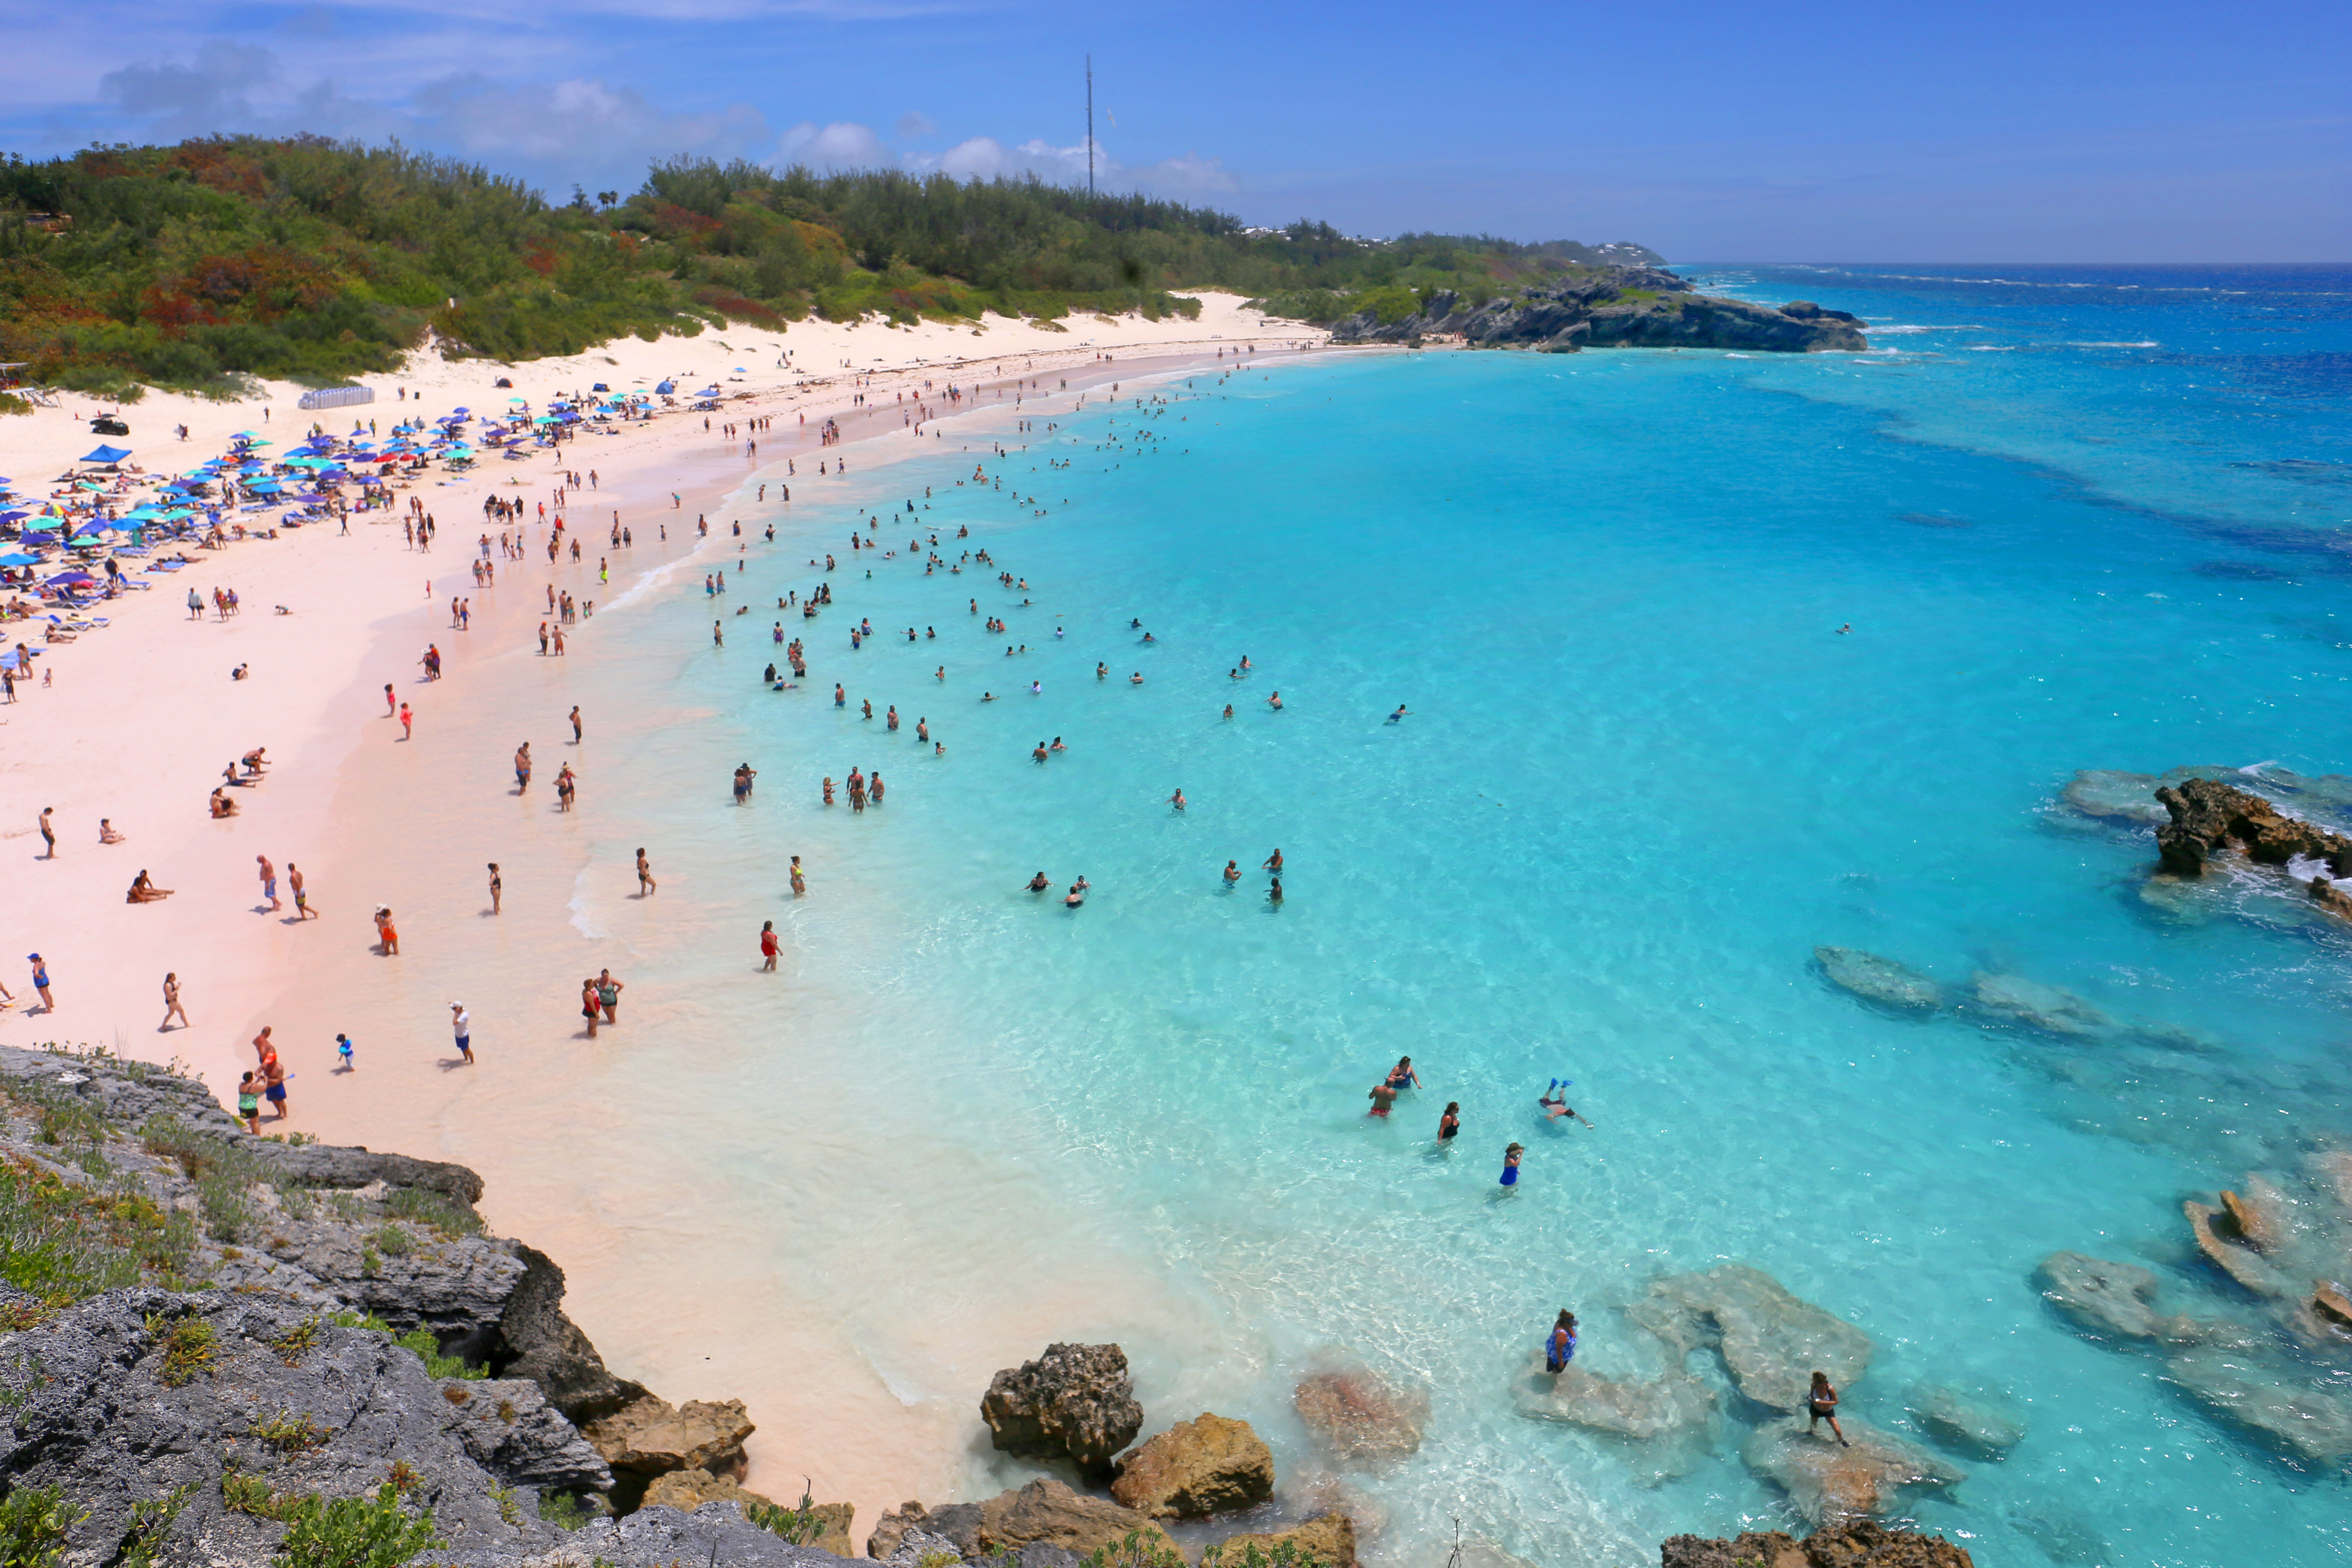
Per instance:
{"type": "Point", "coordinates": [1554, 1100]}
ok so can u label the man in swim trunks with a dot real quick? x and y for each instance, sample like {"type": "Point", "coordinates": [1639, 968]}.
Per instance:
{"type": "Point", "coordinates": [301, 898]}
{"type": "Point", "coordinates": [1383, 1097]}
{"type": "Point", "coordinates": [268, 881]}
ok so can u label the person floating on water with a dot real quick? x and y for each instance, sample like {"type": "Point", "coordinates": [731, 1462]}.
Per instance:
{"type": "Point", "coordinates": [1398, 714]}
{"type": "Point", "coordinates": [1554, 1100]}
{"type": "Point", "coordinates": [1559, 1345]}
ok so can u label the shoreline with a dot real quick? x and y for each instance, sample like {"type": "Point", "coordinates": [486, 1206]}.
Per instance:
{"type": "Point", "coordinates": [333, 794]}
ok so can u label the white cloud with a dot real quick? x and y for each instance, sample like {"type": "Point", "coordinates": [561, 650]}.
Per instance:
{"type": "Point", "coordinates": [1190, 177]}
{"type": "Point", "coordinates": [840, 145]}
{"type": "Point", "coordinates": [915, 123]}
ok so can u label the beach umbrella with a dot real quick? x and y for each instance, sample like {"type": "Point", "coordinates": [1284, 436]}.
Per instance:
{"type": "Point", "coordinates": [19, 558]}
{"type": "Point", "coordinates": [70, 579]}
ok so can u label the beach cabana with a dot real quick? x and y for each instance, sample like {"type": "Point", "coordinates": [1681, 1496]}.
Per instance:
{"type": "Point", "coordinates": [110, 455]}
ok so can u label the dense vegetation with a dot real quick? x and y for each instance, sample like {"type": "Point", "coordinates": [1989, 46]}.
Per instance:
{"type": "Point", "coordinates": [197, 265]}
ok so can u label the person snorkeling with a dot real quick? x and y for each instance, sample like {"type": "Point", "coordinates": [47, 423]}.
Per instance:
{"type": "Point", "coordinates": [1554, 1101]}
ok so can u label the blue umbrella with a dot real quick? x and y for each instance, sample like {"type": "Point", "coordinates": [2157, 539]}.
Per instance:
{"type": "Point", "coordinates": [106, 454]}
{"type": "Point", "coordinates": [19, 558]}
{"type": "Point", "coordinates": [70, 579]}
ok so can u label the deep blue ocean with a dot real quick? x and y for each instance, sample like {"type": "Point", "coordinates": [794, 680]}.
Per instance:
{"type": "Point", "coordinates": [2075, 518]}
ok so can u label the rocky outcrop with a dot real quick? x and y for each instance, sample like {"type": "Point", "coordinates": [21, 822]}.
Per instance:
{"type": "Point", "coordinates": [2111, 794]}
{"type": "Point", "coordinates": [1611, 307]}
{"type": "Point", "coordinates": [1208, 1464]}
{"type": "Point", "coordinates": [1983, 1423]}
{"type": "Point", "coordinates": [1328, 1538]}
{"type": "Point", "coordinates": [260, 1368]}
{"type": "Point", "coordinates": [1076, 1402]}
{"type": "Point", "coordinates": [1828, 1481]}
{"type": "Point", "coordinates": [1046, 1512]}
{"type": "Point", "coordinates": [2209, 817]}
{"type": "Point", "coordinates": [1357, 1416]}
{"type": "Point", "coordinates": [1772, 1342]}
{"type": "Point", "coordinates": [688, 1491]}
{"type": "Point", "coordinates": [1880, 979]}
{"type": "Point", "coordinates": [652, 1436]}
{"type": "Point", "coordinates": [1860, 1543]}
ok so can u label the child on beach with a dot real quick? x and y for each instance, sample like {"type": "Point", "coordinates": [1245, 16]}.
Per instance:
{"type": "Point", "coordinates": [343, 1062]}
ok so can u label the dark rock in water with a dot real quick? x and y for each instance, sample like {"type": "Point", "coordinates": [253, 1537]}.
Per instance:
{"type": "Point", "coordinates": [1983, 1423]}
{"type": "Point", "coordinates": [1613, 307]}
{"type": "Point", "coordinates": [2113, 795]}
{"type": "Point", "coordinates": [2051, 1009]}
{"type": "Point", "coordinates": [2271, 1399]}
{"type": "Point", "coordinates": [2112, 1299]}
{"type": "Point", "coordinates": [1772, 1342]}
{"type": "Point", "coordinates": [1857, 1543]}
{"type": "Point", "coordinates": [1074, 1400]}
{"type": "Point", "coordinates": [1828, 1481]}
{"type": "Point", "coordinates": [2209, 817]}
{"type": "Point", "coordinates": [1880, 979]}
{"type": "Point", "coordinates": [1209, 1465]}
{"type": "Point", "coordinates": [1359, 1417]}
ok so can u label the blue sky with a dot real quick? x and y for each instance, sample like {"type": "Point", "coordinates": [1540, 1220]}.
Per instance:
{"type": "Point", "coordinates": [1824, 132]}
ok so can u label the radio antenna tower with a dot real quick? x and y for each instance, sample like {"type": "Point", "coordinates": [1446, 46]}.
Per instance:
{"type": "Point", "coordinates": [1090, 126]}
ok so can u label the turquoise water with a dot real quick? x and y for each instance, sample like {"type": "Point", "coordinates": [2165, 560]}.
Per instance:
{"type": "Point", "coordinates": [2075, 519]}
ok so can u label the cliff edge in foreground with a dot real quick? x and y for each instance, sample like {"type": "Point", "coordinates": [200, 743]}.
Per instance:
{"type": "Point", "coordinates": [1611, 307]}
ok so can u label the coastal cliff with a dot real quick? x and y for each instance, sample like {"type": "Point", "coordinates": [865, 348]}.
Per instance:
{"type": "Point", "coordinates": [1610, 307]}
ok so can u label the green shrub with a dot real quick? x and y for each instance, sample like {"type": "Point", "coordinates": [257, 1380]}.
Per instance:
{"type": "Point", "coordinates": [799, 1525]}
{"type": "Point", "coordinates": [289, 1433]}
{"type": "Point", "coordinates": [352, 1532]}
{"type": "Point", "coordinates": [33, 1522]}
{"type": "Point", "coordinates": [562, 1510]}
{"type": "Point", "coordinates": [143, 1545]}
{"type": "Point", "coordinates": [187, 1345]}
{"type": "Point", "coordinates": [436, 1210]}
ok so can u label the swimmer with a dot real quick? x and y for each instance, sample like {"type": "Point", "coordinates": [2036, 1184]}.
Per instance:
{"type": "Point", "coordinates": [1511, 1165]}
{"type": "Point", "coordinates": [1177, 800]}
{"type": "Point", "coordinates": [1383, 1097]}
{"type": "Point", "coordinates": [1135, 679]}
{"type": "Point", "coordinates": [1233, 872]}
{"type": "Point", "coordinates": [1402, 1076]}
{"type": "Point", "coordinates": [1555, 1104]}
{"type": "Point", "coordinates": [1398, 714]}
{"type": "Point", "coordinates": [1039, 754]}
{"type": "Point", "coordinates": [1077, 895]}
{"type": "Point", "coordinates": [1102, 672]}
{"type": "Point", "coordinates": [1449, 1126]}
{"type": "Point", "coordinates": [1274, 894]}
{"type": "Point", "coordinates": [1229, 710]}
{"type": "Point", "coordinates": [1274, 701]}
{"type": "Point", "coordinates": [1057, 745]}
{"type": "Point", "coordinates": [1274, 863]}
{"type": "Point", "coordinates": [1038, 884]}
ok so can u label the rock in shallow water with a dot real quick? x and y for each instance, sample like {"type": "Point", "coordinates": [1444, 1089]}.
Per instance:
{"type": "Point", "coordinates": [1984, 1422]}
{"type": "Point", "coordinates": [1330, 1538]}
{"type": "Point", "coordinates": [1863, 1543]}
{"type": "Point", "coordinates": [1641, 1411]}
{"type": "Point", "coordinates": [1880, 979]}
{"type": "Point", "coordinates": [1772, 1342]}
{"type": "Point", "coordinates": [1359, 1417]}
{"type": "Point", "coordinates": [1829, 1482]}
{"type": "Point", "coordinates": [2267, 1398]}
{"type": "Point", "coordinates": [1208, 1464]}
{"type": "Point", "coordinates": [1077, 1401]}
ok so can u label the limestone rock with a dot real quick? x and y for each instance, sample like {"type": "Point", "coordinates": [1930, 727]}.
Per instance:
{"type": "Point", "coordinates": [2267, 1398]}
{"type": "Point", "coordinates": [1047, 1511]}
{"type": "Point", "coordinates": [2330, 1306]}
{"type": "Point", "coordinates": [1205, 1466]}
{"type": "Point", "coordinates": [1075, 1400]}
{"type": "Point", "coordinates": [2051, 1009]}
{"type": "Point", "coordinates": [2208, 817]}
{"type": "Point", "coordinates": [2232, 1257]}
{"type": "Point", "coordinates": [1829, 1482]}
{"type": "Point", "coordinates": [1984, 1423]}
{"type": "Point", "coordinates": [686, 1491]}
{"type": "Point", "coordinates": [1328, 1538]}
{"type": "Point", "coordinates": [1771, 1341]}
{"type": "Point", "coordinates": [918, 1548]}
{"type": "Point", "coordinates": [2113, 1299]}
{"type": "Point", "coordinates": [1641, 1411]}
{"type": "Point", "coordinates": [1880, 979]}
{"type": "Point", "coordinates": [1359, 1417]}
{"type": "Point", "coordinates": [1613, 307]}
{"type": "Point", "coordinates": [512, 1431]}
{"type": "Point", "coordinates": [2113, 795]}
{"type": "Point", "coordinates": [1858, 1543]}
{"type": "Point", "coordinates": [652, 1436]}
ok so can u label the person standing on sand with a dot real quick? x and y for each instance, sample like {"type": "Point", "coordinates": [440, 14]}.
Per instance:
{"type": "Point", "coordinates": [171, 1008]}
{"type": "Point", "coordinates": [767, 947]}
{"type": "Point", "coordinates": [273, 1077]}
{"type": "Point", "coordinates": [497, 887]}
{"type": "Point", "coordinates": [608, 995]}
{"type": "Point", "coordinates": [301, 900]}
{"type": "Point", "coordinates": [407, 723]}
{"type": "Point", "coordinates": [522, 767]}
{"type": "Point", "coordinates": [646, 883]}
{"type": "Point", "coordinates": [386, 934]}
{"type": "Point", "coordinates": [41, 982]}
{"type": "Point", "coordinates": [800, 883]}
{"type": "Point", "coordinates": [590, 1007]}
{"type": "Point", "coordinates": [461, 1023]}
{"type": "Point", "coordinates": [390, 703]}
{"type": "Point", "coordinates": [249, 1103]}
{"type": "Point", "coordinates": [575, 725]}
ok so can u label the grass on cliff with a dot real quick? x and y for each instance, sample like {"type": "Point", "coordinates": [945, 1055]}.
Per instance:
{"type": "Point", "coordinates": [62, 1240]}
{"type": "Point", "coordinates": [33, 1522]}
